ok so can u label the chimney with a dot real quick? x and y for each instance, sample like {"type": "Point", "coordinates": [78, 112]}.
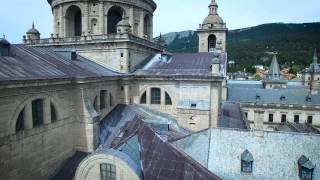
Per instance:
{"type": "Point", "coordinates": [258, 123]}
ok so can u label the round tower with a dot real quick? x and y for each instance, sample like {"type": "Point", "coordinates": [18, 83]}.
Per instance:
{"type": "Point", "coordinates": [93, 17]}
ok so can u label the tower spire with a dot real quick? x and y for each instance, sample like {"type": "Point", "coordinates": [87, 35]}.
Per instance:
{"type": "Point", "coordinates": [32, 24]}
{"type": "Point", "coordinates": [315, 57]}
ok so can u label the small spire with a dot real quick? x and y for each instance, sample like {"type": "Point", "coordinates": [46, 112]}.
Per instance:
{"type": "Point", "coordinates": [315, 57]}
{"type": "Point", "coordinates": [32, 24]}
{"type": "Point", "coordinates": [213, 7]}
{"type": "Point", "coordinates": [4, 36]}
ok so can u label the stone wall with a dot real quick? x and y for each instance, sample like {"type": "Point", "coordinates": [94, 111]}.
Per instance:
{"type": "Point", "coordinates": [38, 152]}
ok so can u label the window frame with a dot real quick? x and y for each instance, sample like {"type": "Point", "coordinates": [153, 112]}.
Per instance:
{"type": "Point", "coordinates": [155, 97]}
{"type": "Point", "coordinates": [108, 171]}
{"type": "Point", "coordinates": [37, 107]}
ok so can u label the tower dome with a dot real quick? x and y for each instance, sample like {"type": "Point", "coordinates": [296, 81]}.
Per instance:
{"type": "Point", "coordinates": [213, 17]}
{"type": "Point", "coordinates": [33, 33]}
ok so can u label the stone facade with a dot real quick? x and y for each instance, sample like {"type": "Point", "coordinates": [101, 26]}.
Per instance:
{"type": "Point", "coordinates": [49, 144]}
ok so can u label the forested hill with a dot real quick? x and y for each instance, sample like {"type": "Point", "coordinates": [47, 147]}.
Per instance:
{"type": "Point", "coordinates": [294, 43]}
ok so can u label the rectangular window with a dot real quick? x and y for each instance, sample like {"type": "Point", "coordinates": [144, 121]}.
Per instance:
{"type": "Point", "coordinates": [155, 96]}
{"type": "Point", "coordinates": [246, 166]}
{"type": "Point", "coordinates": [103, 95]}
{"type": "Point", "coordinates": [270, 117]}
{"type": "Point", "coordinates": [37, 112]}
{"type": "Point", "coordinates": [283, 118]}
{"type": "Point", "coordinates": [246, 115]}
{"type": "Point", "coordinates": [310, 119]}
{"type": "Point", "coordinates": [108, 171]}
{"type": "Point", "coordinates": [296, 119]}
{"type": "Point", "coordinates": [193, 105]}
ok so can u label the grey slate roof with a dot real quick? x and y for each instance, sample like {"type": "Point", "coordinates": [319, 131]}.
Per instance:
{"type": "Point", "coordinates": [275, 154]}
{"type": "Point", "coordinates": [301, 128]}
{"type": "Point", "coordinates": [180, 64]}
{"type": "Point", "coordinates": [34, 63]}
{"type": "Point", "coordinates": [231, 116]}
{"type": "Point", "coordinates": [247, 93]}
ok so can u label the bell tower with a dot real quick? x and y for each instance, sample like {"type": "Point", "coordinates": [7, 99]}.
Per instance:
{"type": "Point", "coordinates": [213, 31]}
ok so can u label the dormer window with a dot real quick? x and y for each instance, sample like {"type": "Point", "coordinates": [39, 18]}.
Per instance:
{"type": "Point", "coordinates": [246, 162]}
{"type": "Point", "coordinates": [306, 168]}
{"type": "Point", "coordinates": [308, 99]}
{"type": "Point", "coordinates": [282, 98]}
{"type": "Point", "coordinates": [258, 97]}
{"type": "Point", "coordinates": [4, 47]}
{"type": "Point", "coordinates": [193, 105]}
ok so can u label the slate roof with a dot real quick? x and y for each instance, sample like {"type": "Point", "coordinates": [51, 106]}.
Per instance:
{"type": "Point", "coordinates": [159, 159]}
{"type": "Point", "coordinates": [231, 116]}
{"type": "Point", "coordinates": [295, 127]}
{"type": "Point", "coordinates": [69, 168]}
{"type": "Point", "coordinates": [180, 64]}
{"type": "Point", "coordinates": [35, 63]}
{"type": "Point", "coordinates": [247, 93]}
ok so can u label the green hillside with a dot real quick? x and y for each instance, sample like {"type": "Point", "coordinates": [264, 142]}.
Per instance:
{"type": "Point", "coordinates": [249, 46]}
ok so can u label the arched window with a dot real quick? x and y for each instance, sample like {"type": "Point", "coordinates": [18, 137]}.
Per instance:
{"type": "Point", "coordinates": [147, 25]}
{"type": "Point", "coordinates": [103, 97]}
{"type": "Point", "coordinates": [143, 99]}
{"type": "Point", "coordinates": [246, 162]}
{"type": "Point", "coordinates": [94, 26]}
{"type": "Point", "coordinates": [115, 15]}
{"type": "Point", "coordinates": [111, 100]}
{"type": "Point", "coordinates": [95, 104]}
{"type": "Point", "coordinates": [54, 116]}
{"type": "Point", "coordinates": [212, 40]}
{"type": "Point", "coordinates": [73, 21]}
{"type": "Point", "coordinates": [155, 96]}
{"type": "Point", "coordinates": [168, 100]}
{"type": "Point", "coordinates": [37, 112]}
{"type": "Point", "coordinates": [20, 121]}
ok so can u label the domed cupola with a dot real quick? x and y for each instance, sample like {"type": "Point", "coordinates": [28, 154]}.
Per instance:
{"type": "Point", "coordinates": [4, 47]}
{"type": "Point", "coordinates": [33, 33]}
{"type": "Point", "coordinates": [213, 17]}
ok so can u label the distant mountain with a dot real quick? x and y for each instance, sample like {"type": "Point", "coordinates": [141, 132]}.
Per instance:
{"type": "Point", "coordinates": [294, 43]}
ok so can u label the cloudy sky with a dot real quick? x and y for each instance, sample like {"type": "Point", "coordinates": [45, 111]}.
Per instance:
{"type": "Point", "coordinates": [16, 16]}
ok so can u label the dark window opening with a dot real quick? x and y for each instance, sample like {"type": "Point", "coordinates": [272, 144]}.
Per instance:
{"type": "Point", "coordinates": [270, 117]}
{"type": "Point", "coordinates": [143, 99]}
{"type": "Point", "coordinates": [122, 88]}
{"type": "Point", "coordinates": [296, 119]}
{"type": "Point", "coordinates": [310, 119]}
{"type": "Point", "coordinates": [20, 121]}
{"type": "Point", "coordinates": [147, 25]}
{"type": "Point", "coordinates": [73, 21]}
{"type": "Point", "coordinates": [53, 113]}
{"type": "Point", "coordinates": [111, 100]}
{"type": "Point", "coordinates": [283, 118]}
{"type": "Point", "coordinates": [121, 54]}
{"type": "Point", "coordinates": [193, 105]}
{"type": "Point", "coordinates": [108, 171]}
{"type": "Point", "coordinates": [246, 115]}
{"type": "Point", "coordinates": [168, 99]}
{"type": "Point", "coordinates": [103, 96]}
{"type": "Point", "coordinates": [155, 96]}
{"type": "Point", "coordinates": [114, 17]}
{"type": "Point", "coordinates": [37, 112]}
{"type": "Point", "coordinates": [212, 42]}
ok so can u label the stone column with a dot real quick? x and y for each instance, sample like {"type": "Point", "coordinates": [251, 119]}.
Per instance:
{"type": "Point", "coordinates": [215, 100]}
{"type": "Point", "coordinates": [258, 123]}
{"type": "Point", "coordinates": [101, 18]}
{"type": "Point", "coordinates": [126, 94]}
{"type": "Point", "coordinates": [148, 96]}
{"type": "Point", "coordinates": [163, 98]}
{"type": "Point", "coordinates": [85, 20]}
{"type": "Point", "coordinates": [46, 111]}
{"type": "Point", "coordinates": [28, 123]}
